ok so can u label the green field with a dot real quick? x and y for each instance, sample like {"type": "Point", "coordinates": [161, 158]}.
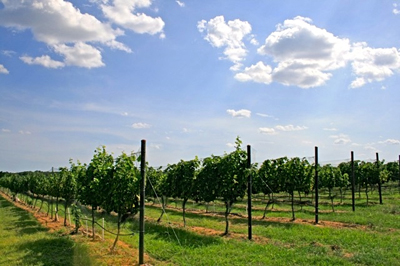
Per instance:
{"type": "Point", "coordinates": [368, 236]}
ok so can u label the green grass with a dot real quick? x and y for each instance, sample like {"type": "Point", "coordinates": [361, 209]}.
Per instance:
{"type": "Point", "coordinates": [23, 241]}
{"type": "Point", "coordinates": [372, 241]}
{"type": "Point", "coordinates": [371, 238]}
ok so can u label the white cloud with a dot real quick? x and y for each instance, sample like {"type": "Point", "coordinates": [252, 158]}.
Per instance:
{"type": "Point", "coordinates": [340, 139]}
{"type": "Point", "coordinates": [8, 53]}
{"type": "Point", "coordinates": [81, 54]}
{"type": "Point", "coordinates": [43, 60]}
{"type": "Point", "coordinates": [24, 132]}
{"type": "Point", "coordinates": [230, 145]}
{"type": "Point", "coordinates": [123, 13]}
{"type": "Point", "coordinates": [5, 130]}
{"type": "Point", "coordinates": [156, 146]}
{"type": "Point", "coordinates": [267, 130]}
{"type": "Point", "coordinates": [276, 129]}
{"type": "Point", "coordinates": [228, 35]}
{"type": "Point", "coordinates": [304, 53]}
{"type": "Point", "coordinates": [330, 129]}
{"type": "Point", "coordinates": [254, 41]}
{"type": "Point", "coordinates": [305, 56]}
{"type": "Point", "coordinates": [180, 3]}
{"type": "Point", "coordinates": [63, 28]}
{"type": "Point", "coordinates": [290, 128]}
{"type": "Point", "coordinates": [371, 64]}
{"type": "Point", "coordinates": [140, 125]}
{"type": "Point", "coordinates": [259, 73]}
{"type": "Point", "coordinates": [55, 21]}
{"type": "Point", "coordinates": [264, 115]}
{"type": "Point", "coordinates": [390, 141]}
{"type": "Point", "coordinates": [396, 11]}
{"type": "Point", "coordinates": [3, 70]}
{"type": "Point", "coordinates": [239, 113]}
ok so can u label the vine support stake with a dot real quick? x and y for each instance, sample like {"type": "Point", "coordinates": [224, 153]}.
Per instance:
{"type": "Point", "coordinates": [353, 181]}
{"type": "Point", "coordinates": [316, 185]}
{"type": "Point", "coordinates": [142, 195]}
{"type": "Point", "coordinates": [379, 179]}
{"type": "Point", "coordinates": [249, 192]}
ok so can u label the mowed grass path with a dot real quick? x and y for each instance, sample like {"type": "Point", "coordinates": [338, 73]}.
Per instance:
{"type": "Point", "coordinates": [23, 241]}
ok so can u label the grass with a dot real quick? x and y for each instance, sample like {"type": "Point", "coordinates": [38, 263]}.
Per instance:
{"type": "Point", "coordinates": [23, 241]}
{"type": "Point", "coordinates": [368, 236]}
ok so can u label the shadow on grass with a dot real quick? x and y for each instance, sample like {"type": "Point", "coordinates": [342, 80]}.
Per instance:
{"type": "Point", "coordinates": [25, 223]}
{"type": "Point", "coordinates": [55, 251]}
{"type": "Point", "coordinates": [178, 236]}
{"type": "Point", "coordinates": [30, 228]}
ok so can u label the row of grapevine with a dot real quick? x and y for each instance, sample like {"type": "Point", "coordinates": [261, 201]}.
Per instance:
{"type": "Point", "coordinates": [224, 178]}
{"type": "Point", "coordinates": [111, 184]}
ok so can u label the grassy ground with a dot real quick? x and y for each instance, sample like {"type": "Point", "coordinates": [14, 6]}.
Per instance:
{"type": "Point", "coordinates": [24, 241]}
{"type": "Point", "coordinates": [368, 236]}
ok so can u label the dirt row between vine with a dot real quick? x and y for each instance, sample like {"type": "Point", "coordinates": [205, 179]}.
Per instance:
{"type": "Point", "coordinates": [282, 220]}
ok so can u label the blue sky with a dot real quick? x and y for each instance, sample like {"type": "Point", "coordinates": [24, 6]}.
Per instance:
{"type": "Point", "coordinates": [191, 76]}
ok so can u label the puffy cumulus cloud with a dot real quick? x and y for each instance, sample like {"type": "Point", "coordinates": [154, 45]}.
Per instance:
{"type": "Point", "coordinates": [43, 60]}
{"type": "Point", "coordinates": [55, 22]}
{"type": "Point", "coordinates": [276, 129]}
{"type": "Point", "coordinates": [341, 139]}
{"type": "Point", "coordinates": [124, 14]}
{"type": "Point", "coordinates": [81, 54]}
{"type": "Point", "coordinates": [303, 52]}
{"type": "Point", "coordinates": [228, 35]}
{"type": "Point", "coordinates": [3, 70]}
{"type": "Point", "coordinates": [301, 75]}
{"type": "Point", "coordinates": [258, 73]}
{"type": "Point", "coordinates": [239, 113]}
{"type": "Point", "coordinates": [305, 55]}
{"type": "Point", "coordinates": [297, 40]}
{"type": "Point", "coordinates": [140, 125]}
{"type": "Point", "coordinates": [68, 31]}
{"type": "Point", "coordinates": [371, 64]}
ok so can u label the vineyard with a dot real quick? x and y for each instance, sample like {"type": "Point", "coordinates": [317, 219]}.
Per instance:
{"type": "Point", "coordinates": [205, 211]}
